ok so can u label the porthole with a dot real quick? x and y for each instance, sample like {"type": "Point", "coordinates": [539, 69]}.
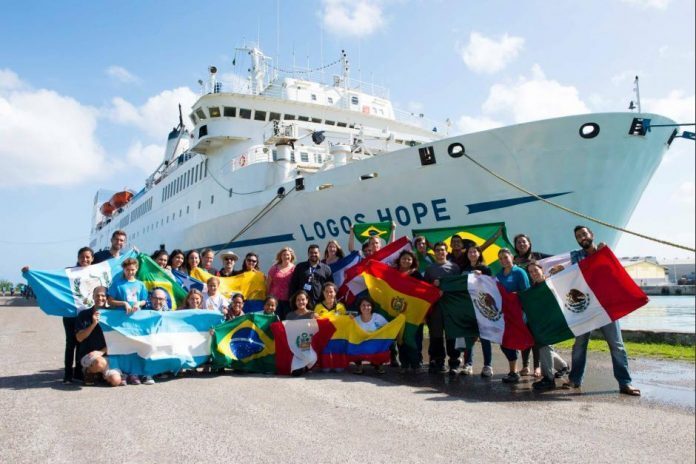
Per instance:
{"type": "Point", "coordinates": [456, 150]}
{"type": "Point", "coordinates": [589, 130]}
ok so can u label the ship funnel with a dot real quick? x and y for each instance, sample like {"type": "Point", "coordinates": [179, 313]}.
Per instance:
{"type": "Point", "coordinates": [340, 154]}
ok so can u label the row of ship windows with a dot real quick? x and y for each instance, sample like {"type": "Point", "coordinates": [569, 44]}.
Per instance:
{"type": "Point", "coordinates": [185, 180]}
{"type": "Point", "coordinates": [136, 213]}
{"type": "Point", "coordinates": [165, 220]}
{"type": "Point", "coordinates": [260, 115]}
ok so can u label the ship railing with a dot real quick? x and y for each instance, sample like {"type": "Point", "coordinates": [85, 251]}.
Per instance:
{"type": "Point", "coordinates": [255, 154]}
{"type": "Point", "coordinates": [417, 119]}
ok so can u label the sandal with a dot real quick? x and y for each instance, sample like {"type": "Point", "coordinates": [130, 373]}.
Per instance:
{"type": "Point", "coordinates": [629, 390]}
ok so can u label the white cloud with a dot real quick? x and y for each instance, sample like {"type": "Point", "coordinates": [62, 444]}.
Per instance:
{"type": "Point", "coordinates": [533, 98]}
{"type": "Point", "coordinates": [685, 193]}
{"type": "Point", "coordinates": [486, 55]}
{"type": "Point", "coordinates": [9, 80]}
{"type": "Point", "coordinates": [47, 138]}
{"type": "Point", "coordinates": [676, 105]}
{"type": "Point", "coordinates": [232, 82]}
{"type": "Point", "coordinates": [352, 18]}
{"type": "Point", "coordinates": [146, 157]}
{"type": "Point", "coordinates": [158, 115]}
{"type": "Point", "coordinates": [121, 74]}
{"type": "Point", "coordinates": [625, 77]}
{"type": "Point", "coordinates": [645, 4]}
{"type": "Point", "coordinates": [468, 124]}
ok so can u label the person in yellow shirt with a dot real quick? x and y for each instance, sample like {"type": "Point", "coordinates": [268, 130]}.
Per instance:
{"type": "Point", "coordinates": [329, 304]}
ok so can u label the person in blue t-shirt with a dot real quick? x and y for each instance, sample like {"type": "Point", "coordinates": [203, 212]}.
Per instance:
{"type": "Point", "coordinates": [514, 279]}
{"type": "Point", "coordinates": [128, 292]}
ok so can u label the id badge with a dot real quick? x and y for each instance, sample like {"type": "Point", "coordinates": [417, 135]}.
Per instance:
{"type": "Point", "coordinates": [307, 288]}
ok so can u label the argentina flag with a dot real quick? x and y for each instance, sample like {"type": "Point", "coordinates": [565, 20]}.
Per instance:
{"type": "Point", "coordinates": [65, 292]}
{"type": "Point", "coordinates": [154, 342]}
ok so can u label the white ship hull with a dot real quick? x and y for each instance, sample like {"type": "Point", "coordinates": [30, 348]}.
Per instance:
{"type": "Point", "coordinates": [603, 177]}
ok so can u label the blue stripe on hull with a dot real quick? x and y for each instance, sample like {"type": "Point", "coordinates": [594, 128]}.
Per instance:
{"type": "Point", "coordinates": [497, 204]}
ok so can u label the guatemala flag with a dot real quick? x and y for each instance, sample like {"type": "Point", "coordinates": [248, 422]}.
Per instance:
{"type": "Point", "coordinates": [154, 342]}
{"type": "Point", "coordinates": [65, 292]}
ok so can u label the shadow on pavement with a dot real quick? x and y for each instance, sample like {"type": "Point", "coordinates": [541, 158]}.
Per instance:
{"type": "Point", "coordinates": [42, 379]}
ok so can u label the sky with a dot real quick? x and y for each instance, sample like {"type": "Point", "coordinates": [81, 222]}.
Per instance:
{"type": "Point", "coordinates": [89, 90]}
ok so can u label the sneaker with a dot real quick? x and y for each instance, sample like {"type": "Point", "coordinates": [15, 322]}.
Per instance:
{"type": "Point", "coordinates": [544, 384]}
{"type": "Point", "coordinates": [562, 372]}
{"type": "Point", "coordinates": [358, 369]}
{"type": "Point", "coordinates": [123, 383]}
{"type": "Point", "coordinates": [148, 380]}
{"type": "Point", "coordinates": [442, 369]}
{"type": "Point", "coordinates": [512, 377]}
{"type": "Point", "coordinates": [132, 379]}
{"type": "Point", "coordinates": [454, 371]}
{"type": "Point", "coordinates": [89, 380]}
{"type": "Point", "coordinates": [568, 385]}
{"type": "Point", "coordinates": [379, 369]}
{"type": "Point", "coordinates": [525, 371]}
{"type": "Point", "coordinates": [487, 371]}
{"type": "Point", "coordinates": [67, 381]}
{"type": "Point", "coordinates": [468, 370]}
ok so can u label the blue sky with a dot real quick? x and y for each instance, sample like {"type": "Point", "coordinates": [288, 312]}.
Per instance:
{"type": "Point", "coordinates": [88, 90]}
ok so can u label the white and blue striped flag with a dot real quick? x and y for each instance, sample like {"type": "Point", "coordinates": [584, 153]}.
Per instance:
{"type": "Point", "coordinates": [152, 342]}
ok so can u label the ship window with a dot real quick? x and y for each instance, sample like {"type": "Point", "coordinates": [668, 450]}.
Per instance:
{"type": "Point", "coordinates": [319, 158]}
{"type": "Point", "coordinates": [212, 199]}
{"type": "Point", "coordinates": [330, 123]}
{"type": "Point", "coordinates": [317, 120]}
{"type": "Point", "coordinates": [330, 100]}
{"type": "Point", "coordinates": [352, 125]}
{"type": "Point", "coordinates": [200, 113]}
{"type": "Point", "coordinates": [303, 118]}
{"type": "Point", "coordinates": [229, 111]}
{"type": "Point", "coordinates": [292, 156]}
{"type": "Point", "coordinates": [195, 175]}
{"type": "Point", "coordinates": [289, 117]}
{"type": "Point", "coordinates": [354, 100]}
{"type": "Point", "coordinates": [205, 167]}
{"type": "Point", "coordinates": [260, 116]}
{"type": "Point", "coordinates": [341, 124]}
{"type": "Point", "coordinates": [304, 157]}
{"type": "Point", "coordinates": [214, 111]}
{"type": "Point", "coordinates": [167, 219]}
{"type": "Point", "coordinates": [173, 216]}
{"type": "Point", "coordinates": [187, 209]}
{"type": "Point", "coordinates": [274, 117]}
{"type": "Point", "coordinates": [193, 119]}
{"type": "Point", "coordinates": [275, 155]}
{"type": "Point", "coordinates": [203, 131]}
{"type": "Point", "coordinates": [314, 97]}
{"type": "Point", "coordinates": [179, 213]}
{"type": "Point", "coordinates": [230, 193]}
{"type": "Point", "coordinates": [244, 113]}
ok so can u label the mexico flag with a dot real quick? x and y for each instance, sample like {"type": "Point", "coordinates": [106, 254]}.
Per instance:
{"type": "Point", "coordinates": [298, 342]}
{"type": "Point", "coordinates": [581, 298]}
{"type": "Point", "coordinates": [478, 305]}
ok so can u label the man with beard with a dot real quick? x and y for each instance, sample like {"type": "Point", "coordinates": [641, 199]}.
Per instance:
{"type": "Point", "coordinates": [311, 276]}
{"type": "Point", "coordinates": [611, 331]}
{"type": "Point", "coordinates": [118, 241]}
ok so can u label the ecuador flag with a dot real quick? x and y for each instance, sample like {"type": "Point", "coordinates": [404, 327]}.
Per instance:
{"type": "Point", "coordinates": [153, 276]}
{"type": "Point", "coordinates": [245, 343]}
{"type": "Point", "coordinates": [493, 235]}
{"type": "Point", "coordinates": [350, 343]}
{"type": "Point", "coordinates": [251, 284]}
{"type": "Point", "coordinates": [364, 231]}
{"type": "Point", "coordinates": [397, 294]}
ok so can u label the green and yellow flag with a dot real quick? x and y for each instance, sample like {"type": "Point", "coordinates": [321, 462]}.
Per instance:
{"type": "Point", "coordinates": [365, 230]}
{"type": "Point", "coordinates": [245, 343]}
{"type": "Point", "coordinates": [152, 275]}
{"type": "Point", "coordinates": [493, 235]}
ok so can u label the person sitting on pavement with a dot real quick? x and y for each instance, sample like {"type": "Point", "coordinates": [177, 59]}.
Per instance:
{"type": "Point", "coordinates": [329, 304]}
{"type": "Point", "coordinates": [158, 300]}
{"type": "Point", "coordinates": [369, 322]}
{"type": "Point", "coordinates": [92, 346]}
{"type": "Point", "coordinates": [299, 303]}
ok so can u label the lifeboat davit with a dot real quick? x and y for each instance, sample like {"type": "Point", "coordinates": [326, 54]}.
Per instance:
{"type": "Point", "coordinates": [107, 209]}
{"type": "Point", "coordinates": [121, 198]}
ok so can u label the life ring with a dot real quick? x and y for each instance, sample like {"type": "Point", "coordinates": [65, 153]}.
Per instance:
{"type": "Point", "coordinates": [242, 160]}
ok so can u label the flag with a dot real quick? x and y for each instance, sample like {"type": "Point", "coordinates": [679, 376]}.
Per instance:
{"type": "Point", "coordinates": [65, 292]}
{"type": "Point", "coordinates": [350, 343]}
{"type": "Point", "coordinates": [188, 282]}
{"type": "Point", "coordinates": [339, 268]}
{"type": "Point", "coordinates": [364, 231]}
{"type": "Point", "coordinates": [396, 294]}
{"type": "Point", "coordinates": [354, 284]}
{"type": "Point", "coordinates": [478, 305]}
{"type": "Point", "coordinates": [479, 234]}
{"type": "Point", "coordinates": [558, 260]}
{"type": "Point", "coordinates": [154, 342]}
{"type": "Point", "coordinates": [153, 276]}
{"type": "Point", "coordinates": [583, 297]}
{"type": "Point", "coordinates": [298, 342]}
{"type": "Point", "coordinates": [245, 343]}
{"type": "Point", "coordinates": [251, 284]}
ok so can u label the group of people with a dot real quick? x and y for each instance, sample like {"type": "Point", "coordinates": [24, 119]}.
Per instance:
{"type": "Point", "coordinates": [306, 290]}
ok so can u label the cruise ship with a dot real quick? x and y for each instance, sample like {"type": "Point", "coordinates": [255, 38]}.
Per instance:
{"type": "Point", "coordinates": [290, 161]}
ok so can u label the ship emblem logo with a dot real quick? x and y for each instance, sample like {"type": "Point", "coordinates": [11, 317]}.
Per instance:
{"type": "Point", "coordinates": [576, 301]}
{"type": "Point", "coordinates": [399, 304]}
{"type": "Point", "coordinates": [486, 305]}
{"type": "Point", "coordinates": [304, 341]}
{"type": "Point", "coordinates": [373, 231]}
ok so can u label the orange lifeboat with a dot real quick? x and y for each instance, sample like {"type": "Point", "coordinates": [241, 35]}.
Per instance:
{"type": "Point", "coordinates": [107, 209]}
{"type": "Point", "coordinates": [121, 198]}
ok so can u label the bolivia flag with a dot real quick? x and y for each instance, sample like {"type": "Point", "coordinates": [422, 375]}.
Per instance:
{"type": "Point", "coordinates": [396, 294]}
{"type": "Point", "coordinates": [581, 298]}
{"type": "Point", "coordinates": [251, 284]}
{"type": "Point", "coordinates": [364, 231]}
{"type": "Point", "coordinates": [350, 343]}
{"type": "Point", "coordinates": [245, 343]}
{"type": "Point", "coordinates": [152, 275]}
{"type": "Point", "coordinates": [298, 342]}
{"type": "Point", "coordinates": [478, 305]}
{"type": "Point", "coordinates": [479, 234]}
{"type": "Point", "coordinates": [64, 292]}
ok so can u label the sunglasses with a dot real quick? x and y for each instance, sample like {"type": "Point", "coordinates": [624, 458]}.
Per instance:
{"type": "Point", "coordinates": [253, 261]}
{"type": "Point", "coordinates": [230, 259]}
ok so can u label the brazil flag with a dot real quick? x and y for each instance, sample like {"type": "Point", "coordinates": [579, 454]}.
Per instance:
{"type": "Point", "coordinates": [245, 343]}
{"type": "Point", "coordinates": [365, 230]}
{"type": "Point", "coordinates": [153, 276]}
{"type": "Point", "coordinates": [492, 235]}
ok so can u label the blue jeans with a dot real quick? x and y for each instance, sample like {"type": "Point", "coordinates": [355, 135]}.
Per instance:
{"type": "Point", "coordinates": [469, 353]}
{"type": "Point", "coordinates": [619, 359]}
